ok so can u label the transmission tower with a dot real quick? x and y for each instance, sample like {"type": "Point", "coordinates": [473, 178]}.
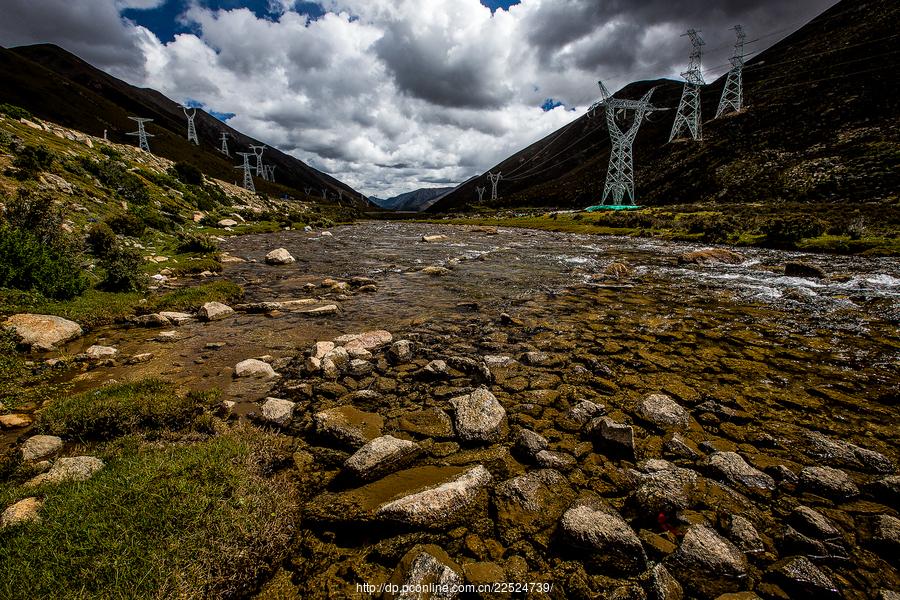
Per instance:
{"type": "Point", "coordinates": [248, 175]}
{"type": "Point", "coordinates": [733, 93]}
{"type": "Point", "coordinates": [258, 151]}
{"type": "Point", "coordinates": [142, 133]}
{"type": "Point", "coordinates": [620, 173]}
{"type": "Point", "coordinates": [270, 173]}
{"type": "Point", "coordinates": [480, 191]}
{"type": "Point", "coordinates": [495, 179]}
{"type": "Point", "coordinates": [224, 148]}
{"type": "Point", "coordinates": [192, 131]}
{"type": "Point", "coordinates": [308, 191]}
{"type": "Point", "coordinates": [688, 115]}
{"type": "Point", "coordinates": [325, 193]}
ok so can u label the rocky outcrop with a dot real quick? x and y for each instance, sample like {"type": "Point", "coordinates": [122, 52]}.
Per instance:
{"type": "Point", "coordinates": [440, 505]}
{"type": "Point", "coordinates": [42, 332]}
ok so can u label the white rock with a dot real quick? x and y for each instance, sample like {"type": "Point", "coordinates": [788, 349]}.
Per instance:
{"type": "Point", "coordinates": [479, 416]}
{"type": "Point", "coordinates": [322, 348]}
{"type": "Point", "coordinates": [436, 506]}
{"type": "Point", "coordinates": [39, 447]}
{"type": "Point", "coordinates": [278, 410]}
{"type": "Point", "coordinates": [43, 332]}
{"type": "Point", "coordinates": [254, 368]}
{"type": "Point", "coordinates": [663, 412]}
{"type": "Point", "coordinates": [23, 511]}
{"type": "Point", "coordinates": [326, 234]}
{"type": "Point", "coordinates": [227, 223]}
{"type": "Point", "coordinates": [328, 309]}
{"type": "Point", "coordinates": [380, 456]}
{"type": "Point", "coordinates": [369, 340]}
{"type": "Point", "coordinates": [177, 318]}
{"type": "Point", "coordinates": [434, 238]}
{"type": "Point", "coordinates": [213, 311]}
{"type": "Point", "coordinates": [96, 352]}
{"type": "Point", "coordinates": [279, 256]}
{"type": "Point", "coordinates": [77, 468]}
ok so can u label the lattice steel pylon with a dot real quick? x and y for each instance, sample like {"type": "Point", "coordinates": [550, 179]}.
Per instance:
{"type": "Point", "coordinates": [688, 114]}
{"type": "Point", "coordinates": [224, 148]}
{"type": "Point", "coordinates": [495, 179]}
{"type": "Point", "coordinates": [620, 173]}
{"type": "Point", "coordinates": [192, 131]}
{"type": "Point", "coordinates": [248, 175]}
{"type": "Point", "coordinates": [258, 151]}
{"type": "Point", "coordinates": [142, 133]}
{"type": "Point", "coordinates": [733, 92]}
{"type": "Point", "coordinates": [270, 173]}
{"type": "Point", "coordinates": [480, 191]}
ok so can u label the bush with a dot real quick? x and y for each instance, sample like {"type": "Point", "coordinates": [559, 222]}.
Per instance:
{"type": "Point", "coordinates": [113, 174]}
{"type": "Point", "coordinates": [14, 112]}
{"type": "Point", "coordinates": [126, 224]}
{"type": "Point", "coordinates": [150, 404]}
{"type": "Point", "coordinates": [39, 215]}
{"type": "Point", "coordinates": [101, 239]}
{"type": "Point", "coordinates": [188, 173]}
{"type": "Point", "coordinates": [785, 232]}
{"type": "Point", "coordinates": [31, 160]}
{"type": "Point", "coordinates": [200, 244]}
{"type": "Point", "coordinates": [122, 267]}
{"type": "Point", "coordinates": [27, 263]}
{"type": "Point", "coordinates": [190, 298]}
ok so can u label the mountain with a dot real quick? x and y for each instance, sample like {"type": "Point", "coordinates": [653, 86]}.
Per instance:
{"type": "Point", "coordinates": [58, 86]}
{"type": "Point", "coordinates": [821, 123]}
{"type": "Point", "coordinates": [416, 200]}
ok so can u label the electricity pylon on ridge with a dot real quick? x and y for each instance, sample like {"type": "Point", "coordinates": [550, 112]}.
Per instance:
{"type": "Point", "coordinates": [142, 133]}
{"type": "Point", "coordinates": [192, 131]}
{"type": "Point", "coordinates": [495, 179]}
{"type": "Point", "coordinates": [688, 114]}
{"type": "Point", "coordinates": [248, 175]}
{"type": "Point", "coordinates": [224, 148]}
{"type": "Point", "coordinates": [258, 151]}
{"type": "Point", "coordinates": [325, 193]}
{"type": "Point", "coordinates": [308, 191]}
{"type": "Point", "coordinates": [620, 172]}
{"type": "Point", "coordinates": [733, 92]}
{"type": "Point", "coordinates": [270, 173]}
{"type": "Point", "coordinates": [480, 191]}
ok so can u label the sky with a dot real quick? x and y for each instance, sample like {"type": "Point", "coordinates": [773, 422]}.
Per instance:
{"type": "Point", "coordinates": [393, 95]}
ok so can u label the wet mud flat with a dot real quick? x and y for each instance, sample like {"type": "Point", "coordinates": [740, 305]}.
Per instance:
{"type": "Point", "coordinates": [551, 408]}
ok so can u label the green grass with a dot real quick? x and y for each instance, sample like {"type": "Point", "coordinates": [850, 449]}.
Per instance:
{"type": "Point", "coordinates": [147, 405]}
{"type": "Point", "coordinates": [193, 265]}
{"type": "Point", "coordinates": [21, 382]}
{"type": "Point", "coordinates": [195, 520]}
{"type": "Point", "coordinates": [190, 298]}
{"type": "Point", "coordinates": [91, 309]}
{"type": "Point", "coordinates": [840, 244]}
{"type": "Point", "coordinates": [562, 223]}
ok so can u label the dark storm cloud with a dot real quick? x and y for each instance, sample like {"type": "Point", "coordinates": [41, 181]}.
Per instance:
{"type": "Point", "coordinates": [91, 29]}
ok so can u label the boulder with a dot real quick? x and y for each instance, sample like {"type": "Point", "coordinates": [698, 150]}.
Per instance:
{"type": "Point", "coordinates": [735, 469]}
{"type": "Point", "coordinates": [279, 256]}
{"type": "Point", "coordinates": [23, 511]}
{"type": "Point", "coordinates": [96, 352]}
{"type": "Point", "coordinates": [844, 454]}
{"type": "Point", "coordinates": [662, 586]}
{"type": "Point", "coordinates": [744, 535]}
{"type": "Point", "coordinates": [616, 435]}
{"type": "Point", "coordinates": [321, 349]}
{"type": "Point", "coordinates": [151, 320]}
{"type": "Point", "coordinates": [42, 332]}
{"type": "Point", "coordinates": [600, 530]}
{"type": "Point", "coordinates": [832, 483]}
{"type": "Point", "coordinates": [278, 410]}
{"type": "Point", "coordinates": [436, 507]}
{"type": "Point", "coordinates": [436, 368]}
{"type": "Point", "coordinates": [666, 490]}
{"type": "Point", "coordinates": [77, 468]}
{"type": "Point", "coordinates": [380, 456]}
{"type": "Point", "coordinates": [347, 425]}
{"type": "Point", "coordinates": [401, 351]}
{"type": "Point", "coordinates": [531, 503]}
{"type": "Point", "coordinates": [800, 578]}
{"type": "Point", "coordinates": [664, 412]}
{"type": "Point", "coordinates": [530, 443]}
{"type": "Point", "coordinates": [253, 367]}
{"type": "Point", "coordinates": [709, 563]}
{"type": "Point", "coordinates": [813, 523]}
{"type": "Point", "coordinates": [429, 422]}
{"type": "Point", "coordinates": [176, 318]}
{"type": "Point", "coordinates": [369, 340]}
{"type": "Point", "coordinates": [434, 238]}
{"type": "Point", "coordinates": [479, 416]}
{"type": "Point", "coordinates": [213, 311]}
{"type": "Point", "coordinates": [14, 421]}
{"type": "Point", "coordinates": [800, 269]}
{"type": "Point", "coordinates": [711, 256]}
{"type": "Point", "coordinates": [226, 223]}
{"type": "Point", "coordinates": [548, 459]}
{"type": "Point", "coordinates": [886, 533]}
{"type": "Point", "coordinates": [40, 447]}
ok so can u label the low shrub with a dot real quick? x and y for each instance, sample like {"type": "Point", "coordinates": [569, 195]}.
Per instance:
{"type": "Point", "coordinates": [31, 160]}
{"type": "Point", "coordinates": [191, 298]}
{"type": "Point", "coordinates": [187, 173]}
{"type": "Point", "coordinates": [14, 112]}
{"type": "Point", "coordinates": [27, 263]}
{"type": "Point", "coordinates": [786, 231]}
{"type": "Point", "coordinates": [126, 223]}
{"type": "Point", "coordinates": [122, 270]}
{"type": "Point", "coordinates": [200, 244]}
{"type": "Point", "coordinates": [101, 239]}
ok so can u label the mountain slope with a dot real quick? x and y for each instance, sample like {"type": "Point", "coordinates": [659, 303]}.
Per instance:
{"type": "Point", "coordinates": [416, 200]}
{"type": "Point", "coordinates": [821, 125]}
{"type": "Point", "coordinates": [58, 86]}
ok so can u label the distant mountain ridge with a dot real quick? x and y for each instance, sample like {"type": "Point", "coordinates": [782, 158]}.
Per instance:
{"type": "Point", "coordinates": [821, 123]}
{"type": "Point", "coordinates": [58, 86]}
{"type": "Point", "coordinates": [416, 200]}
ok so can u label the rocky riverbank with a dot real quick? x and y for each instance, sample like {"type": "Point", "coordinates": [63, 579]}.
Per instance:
{"type": "Point", "coordinates": [617, 418]}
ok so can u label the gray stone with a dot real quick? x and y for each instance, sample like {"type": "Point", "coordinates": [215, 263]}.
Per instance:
{"type": "Point", "coordinates": [664, 412]}
{"type": "Point", "coordinates": [439, 505]}
{"type": "Point", "coordinates": [479, 416]}
{"type": "Point", "coordinates": [77, 468]}
{"type": "Point", "coordinates": [213, 311]}
{"type": "Point", "coordinates": [278, 410]}
{"type": "Point", "coordinates": [547, 459]}
{"type": "Point", "coordinates": [602, 531]}
{"type": "Point", "coordinates": [23, 511]}
{"type": "Point", "coordinates": [813, 523]}
{"type": "Point", "coordinates": [39, 447]}
{"type": "Point", "coordinates": [845, 454]}
{"type": "Point", "coordinates": [401, 351]}
{"type": "Point", "coordinates": [744, 535]}
{"type": "Point", "coordinates": [254, 368]}
{"type": "Point", "coordinates": [151, 320]}
{"type": "Point", "coordinates": [360, 367]}
{"type": "Point", "coordinates": [829, 482]}
{"type": "Point", "coordinates": [617, 435]}
{"type": "Point", "coordinates": [427, 572]}
{"type": "Point", "coordinates": [886, 532]}
{"type": "Point", "coordinates": [97, 352]}
{"type": "Point", "coordinates": [531, 503]}
{"type": "Point", "coordinates": [530, 443]}
{"type": "Point", "coordinates": [584, 411]}
{"type": "Point", "coordinates": [436, 367]}
{"type": "Point", "coordinates": [321, 349]}
{"type": "Point", "coordinates": [801, 578]}
{"type": "Point", "coordinates": [681, 447]}
{"type": "Point", "coordinates": [42, 332]}
{"type": "Point", "coordinates": [368, 340]}
{"type": "Point", "coordinates": [176, 318]}
{"type": "Point", "coordinates": [662, 586]}
{"type": "Point", "coordinates": [709, 564]}
{"type": "Point", "coordinates": [666, 490]}
{"type": "Point", "coordinates": [735, 469]}
{"type": "Point", "coordinates": [279, 256]}
{"type": "Point", "coordinates": [381, 456]}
